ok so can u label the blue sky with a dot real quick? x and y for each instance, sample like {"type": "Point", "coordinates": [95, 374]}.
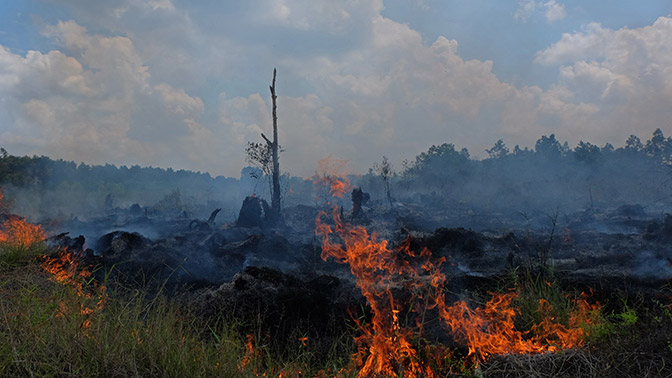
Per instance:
{"type": "Point", "coordinates": [175, 83]}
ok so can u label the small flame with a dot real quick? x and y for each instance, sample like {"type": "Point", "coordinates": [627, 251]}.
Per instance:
{"type": "Point", "coordinates": [250, 353]}
{"type": "Point", "coordinates": [332, 173]}
{"type": "Point", "coordinates": [65, 269]}
{"type": "Point", "coordinates": [15, 232]}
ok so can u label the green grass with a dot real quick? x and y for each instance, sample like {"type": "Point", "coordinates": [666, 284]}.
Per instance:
{"type": "Point", "coordinates": [533, 287]}
{"type": "Point", "coordinates": [44, 334]}
{"type": "Point", "coordinates": [14, 254]}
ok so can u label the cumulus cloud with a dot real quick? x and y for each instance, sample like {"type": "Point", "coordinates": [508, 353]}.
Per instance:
{"type": "Point", "coordinates": [138, 96]}
{"type": "Point", "coordinates": [85, 103]}
{"type": "Point", "coordinates": [305, 129]}
{"type": "Point", "coordinates": [629, 59]}
{"type": "Point", "coordinates": [625, 73]}
{"type": "Point", "coordinates": [590, 43]}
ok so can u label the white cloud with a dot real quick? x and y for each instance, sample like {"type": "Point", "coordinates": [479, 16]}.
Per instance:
{"type": "Point", "coordinates": [177, 101]}
{"type": "Point", "coordinates": [135, 96]}
{"type": "Point", "coordinates": [305, 128]}
{"type": "Point", "coordinates": [591, 43]}
{"type": "Point", "coordinates": [87, 102]}
{"type": "Point", "coordinates": [525, 9]}
{"type": "Point", "coordinates": [640, 55]}
{"type": "Point", "coordinates": [554, 11]}
{"type": "Point", "coordinates": [624, 74]}
{"type": "Point", "coordinates": [161, 5]}
{"type": "Point", "coordinates": [320, 15]}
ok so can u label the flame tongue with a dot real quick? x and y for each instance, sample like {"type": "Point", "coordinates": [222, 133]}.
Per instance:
{"type": "Point", "coordinates": [65, 269]}
{"type": "Point", "coordinates": [332, 173]}
{"type": "Point", "coordinates": [386, 348]}
{"type": "Point", "coordinates": [15, 232]}
{"type": "Point", "coordinates": [385, 344]}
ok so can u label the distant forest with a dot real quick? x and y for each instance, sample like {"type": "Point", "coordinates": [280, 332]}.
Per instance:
{"type": "Point", "coordinates": [552, 175]}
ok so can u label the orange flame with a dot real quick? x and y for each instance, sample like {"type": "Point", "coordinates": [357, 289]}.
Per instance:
{"type": "Point", "coordinates": [387, 348]}
{"type": "Point", "coordinates": [65, 269]}
{"type": "Point", "coordinates": [15, 232]}
{"type": "Point", "coordinates": [250, 353]}
{"type": "Point", "coordinates": [333, 174]}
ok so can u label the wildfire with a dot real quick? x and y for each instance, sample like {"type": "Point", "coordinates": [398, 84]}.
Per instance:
{"type": "Point", "coordinates": [15, 232]}
{"type": "Point", "coordinates": [332, 173]}
{"type": "Point", "coordinates": [384, 275]}
{"type": "Point", "coordinates": [66, 270]}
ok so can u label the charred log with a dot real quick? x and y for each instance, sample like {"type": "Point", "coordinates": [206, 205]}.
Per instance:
{"type": "Point", "coordinates": [251, 212]}
{"type": "Point", "coordinates": [213, 215]}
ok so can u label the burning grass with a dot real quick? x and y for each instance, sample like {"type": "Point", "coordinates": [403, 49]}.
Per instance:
{"type": "Point", "coordinates": [45, 332]}
{"type": "Point", "coordinates": [399, 281]}
{"type": "Point", "coordinates": [131, 336]}
{"type": "Point", "coordinates": [135, 335]}
{"type": "Point", "coordinates": [19, 240]}
{"type": "Point", "coordinates": [56, 319]}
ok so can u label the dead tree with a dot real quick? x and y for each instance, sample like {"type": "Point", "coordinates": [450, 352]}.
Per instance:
{"type": "Point", "coordinates": [385, 171]}
{"type": "Point", "coordinates": [273, 146]}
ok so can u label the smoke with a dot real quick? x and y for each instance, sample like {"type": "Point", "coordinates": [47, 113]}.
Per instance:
{"type": "Point", "coordinates": [651, 265]}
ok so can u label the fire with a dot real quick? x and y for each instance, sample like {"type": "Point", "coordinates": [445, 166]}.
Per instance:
{"type": "Point", "coordinates": [15, 232]}
{"type": "Point", "coordinates": [250, 353]}
{"type": "Point", "coordinates": [66, 270]}
{"type": "Point", "coordinates": [383, 275]}
{"type": "Point", "coordinates": [333, 175]}
{"type": "Point", "coordinates": [384, 347]}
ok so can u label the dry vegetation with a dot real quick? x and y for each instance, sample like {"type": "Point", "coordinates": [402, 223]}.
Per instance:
{"type": "Point", "coordinates": [57, 321]}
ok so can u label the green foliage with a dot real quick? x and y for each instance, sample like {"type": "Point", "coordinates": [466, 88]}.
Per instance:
{"type": "Point", "coordinates": [628, 317]}
{"type": "Point", "coordinates": [533, 287]}
{"type": "Point", "coordinates": [13, 255]}
{"type": "Point", "coordinates": [44, 333]}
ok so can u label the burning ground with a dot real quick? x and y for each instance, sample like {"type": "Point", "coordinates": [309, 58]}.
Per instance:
{"type": "Point", "coordinates": [328, 295]}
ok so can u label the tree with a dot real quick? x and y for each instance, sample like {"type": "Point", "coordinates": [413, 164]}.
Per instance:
{"type": "Point", "coordinates": [261, 156]}
{"type": "Point", "coordinates": [439, 167]}
{"type": "Point", "coordinates": [633, 144]}
{"type": "Point", "coordinates": [498, 151]}
{"type": "Point", "coordinates": [266, 157]}
{"type": "Point", "coordinates": [548, 147]}
{"type": "Point", "coordinates": [586, 152]}
{"type": "Point", "coordinates": [659, 147]}
{"type": "Point", "coordinates": [385, 171]}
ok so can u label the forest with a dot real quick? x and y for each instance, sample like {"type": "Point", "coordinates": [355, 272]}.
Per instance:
{"type": "Point", "coordinates": [551, 176]}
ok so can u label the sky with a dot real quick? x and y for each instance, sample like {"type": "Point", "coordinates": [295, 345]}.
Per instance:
{"type": "Point", "coordinates": [184, 84]}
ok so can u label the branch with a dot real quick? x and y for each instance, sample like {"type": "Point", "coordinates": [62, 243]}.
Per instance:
{"type": "Point", "coordinates": [272, 87]}
{"type": "Point", "coordinates": [266, 139]}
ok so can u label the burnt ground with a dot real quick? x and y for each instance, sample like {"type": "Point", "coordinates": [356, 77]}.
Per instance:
{"type": "Point", "coordinates": [619, 249]}
{"type": "Point", "coordinates": [277, 271]}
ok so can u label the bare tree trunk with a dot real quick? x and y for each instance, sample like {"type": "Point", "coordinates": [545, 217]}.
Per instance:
{"type": "Point", "coordinates": [275, 195]}
{"type": "Point", "coordinates": [388, 192]}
